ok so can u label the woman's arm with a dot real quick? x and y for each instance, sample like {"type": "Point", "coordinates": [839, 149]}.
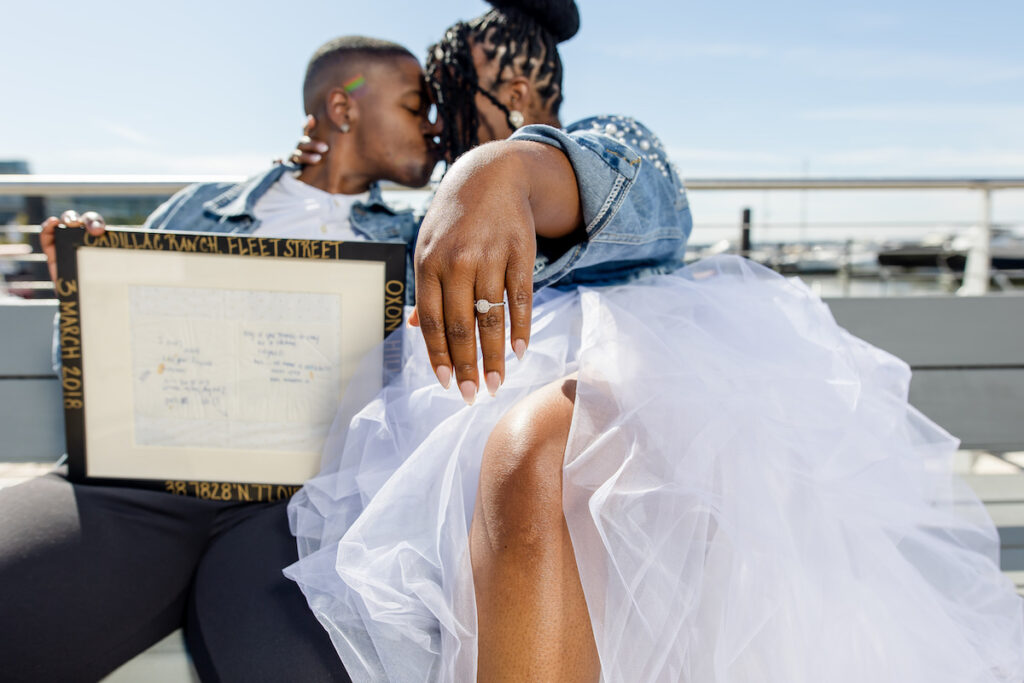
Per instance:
{"type": "Point", "coordinates": [479, 241]}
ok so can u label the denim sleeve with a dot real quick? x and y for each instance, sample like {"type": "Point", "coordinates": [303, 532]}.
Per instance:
{"type": "Point", "coordinates": [185, 210]}
{"type": "Point", "coordinates": [166, 211]}
{"type": "Point", "coordinates": [635, 211]}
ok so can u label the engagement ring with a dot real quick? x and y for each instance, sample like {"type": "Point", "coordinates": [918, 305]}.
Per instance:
{"type": "Point", "coordinates": [483, 305]}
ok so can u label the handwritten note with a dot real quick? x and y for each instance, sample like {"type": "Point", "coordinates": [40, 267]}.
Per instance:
{"type": "Point", "coordinates": [234, 369]}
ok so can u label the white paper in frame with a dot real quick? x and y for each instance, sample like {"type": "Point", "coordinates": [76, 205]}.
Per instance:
{"type": "Point", "coordinates": [225, 366]}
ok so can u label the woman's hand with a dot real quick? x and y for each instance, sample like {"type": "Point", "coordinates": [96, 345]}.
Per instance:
{"type": "Point", "coordinates": [477, 243]}
{"type": "Point", "coordinates": [308, 152]}
{"type": "Point", "coordinates": [90, 220]}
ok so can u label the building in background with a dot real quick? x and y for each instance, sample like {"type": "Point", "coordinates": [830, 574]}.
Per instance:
{"type": "Point", "coordinates": [12, 209]}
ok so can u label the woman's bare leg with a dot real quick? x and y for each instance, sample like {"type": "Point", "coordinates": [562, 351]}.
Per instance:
{"type": "Point", "coordinates": [532, 616]}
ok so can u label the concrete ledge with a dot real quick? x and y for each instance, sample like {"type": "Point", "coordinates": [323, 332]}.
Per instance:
{"type": "Point", "coordinates": [165, 662]}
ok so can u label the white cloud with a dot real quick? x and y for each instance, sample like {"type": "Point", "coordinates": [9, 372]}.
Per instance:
{"type": "Point", "coordinates": [880, 161]}
{"type": "Point", "coordinates": [135, 160]}
{"type": "Point", "coordinates": [726, 156]}
{"type": "Point", "coordinates": [929, 160]}
{"type": "Point", "coordinates": [124, 132]}
{"type": "Point", "coordinates": [833, 61]}
{"type": "Point", "coordinates": [868, 20]}
{"type": "Point", "coordinates": [930, 112]}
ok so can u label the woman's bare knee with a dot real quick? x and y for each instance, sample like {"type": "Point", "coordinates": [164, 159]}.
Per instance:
{"type": "Point", "coordinates": [520, 496]}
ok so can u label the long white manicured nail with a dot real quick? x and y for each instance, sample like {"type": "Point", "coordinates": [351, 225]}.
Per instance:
{"type": "Point", "coordinates": [493, 382]}
{"type": "Point", "coordinates": [444, 375]}
{"type": "Point", "coordinates": [519, 348]}
{"type": "Point", "coordinates": [468, 390]}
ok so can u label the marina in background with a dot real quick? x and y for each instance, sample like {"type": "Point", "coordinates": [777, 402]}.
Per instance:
{"type": "Point", "coordinates": [873, 255]}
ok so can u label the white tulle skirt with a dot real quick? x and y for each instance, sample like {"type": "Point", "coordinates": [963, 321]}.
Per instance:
{"type": "Point", "coordinates": [750, 498]}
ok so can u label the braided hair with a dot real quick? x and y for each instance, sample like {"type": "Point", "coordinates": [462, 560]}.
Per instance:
{"type": "Point", "coordinates": [526, 31]}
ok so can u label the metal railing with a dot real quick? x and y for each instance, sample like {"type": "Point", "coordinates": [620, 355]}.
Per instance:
{"type": "Point", "coordinates": [976, 276]}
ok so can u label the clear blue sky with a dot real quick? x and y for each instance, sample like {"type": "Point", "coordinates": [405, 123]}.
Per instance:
{"type": "Point", "coordinates": [733, 88]}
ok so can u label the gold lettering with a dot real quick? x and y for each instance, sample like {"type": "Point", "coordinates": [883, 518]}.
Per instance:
{"type": "Point", "coordinates": [243, 492]}
{"type": "Point", "coordinates": [393, 304]}
{"type": "Point", "coordinates": [175, 487]}
{"type": "Point", "coordinates": [392, 318]}
{"type": "Point", "coordinates": [66, 288]}
{"type": "Point", "coordinates": [70, 343]}
{"type": "Point", "coordinates": [71, 380]}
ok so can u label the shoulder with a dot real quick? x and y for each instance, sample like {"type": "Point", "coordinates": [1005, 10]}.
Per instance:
{"type": "Point", "coordinates": [626, 131]}
{"type": "Point", "coordinates": [221, 199]}
{"type": "Point", "coordinates": [189, 200]}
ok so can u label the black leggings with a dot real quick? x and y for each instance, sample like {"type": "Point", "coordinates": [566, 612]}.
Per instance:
{"type": "Point", "coordinates": [92, 575]}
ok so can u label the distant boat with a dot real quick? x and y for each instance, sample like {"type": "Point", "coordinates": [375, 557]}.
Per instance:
{"type": "Point", "coordinates": [1006, 250]}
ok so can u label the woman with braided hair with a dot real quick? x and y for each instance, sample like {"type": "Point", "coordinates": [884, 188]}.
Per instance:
{"type": "Point", "coordinates": [517, 58]}
{"type": "Point", "coordinates": [681, 474]}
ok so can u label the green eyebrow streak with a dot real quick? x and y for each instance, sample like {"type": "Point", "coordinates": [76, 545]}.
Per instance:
{"type": "Point", "coordinates": [355, 83]}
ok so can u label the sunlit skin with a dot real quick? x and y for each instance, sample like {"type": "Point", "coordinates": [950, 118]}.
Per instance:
{"type": "Point", "coordinates": [475, 243]}
{"type": "Point", "coordinates": [478, 241]}
{"type": "Point", "coordinates": [389, 136]}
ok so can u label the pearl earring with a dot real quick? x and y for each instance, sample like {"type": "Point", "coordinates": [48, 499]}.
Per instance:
{"type": "Point", "coordinates": [344, 128]}
{"type": "Point", "coordinates": [515, 119]}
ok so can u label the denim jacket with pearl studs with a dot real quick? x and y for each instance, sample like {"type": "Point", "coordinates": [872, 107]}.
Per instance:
{"type": "Point", "coordinates": [635, 211]}
{"type": "Point", "coordinates": [636, 215]}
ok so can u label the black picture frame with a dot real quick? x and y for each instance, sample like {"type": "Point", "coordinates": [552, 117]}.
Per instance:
{"type": "Point", "coordinates": [252, 256]}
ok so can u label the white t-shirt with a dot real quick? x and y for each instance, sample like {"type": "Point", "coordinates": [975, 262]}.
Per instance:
{"type": "Point", "coordinates": [291, 208]}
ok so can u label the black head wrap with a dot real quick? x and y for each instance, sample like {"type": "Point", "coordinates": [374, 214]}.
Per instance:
{"type": "Point", "coordinates": [560, 19]}
{"type": "Point", "coordinates": [529, 30]}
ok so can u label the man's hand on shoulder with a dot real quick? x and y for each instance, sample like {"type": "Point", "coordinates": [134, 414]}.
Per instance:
{"type": "Point", "coordinates": [308, 151]}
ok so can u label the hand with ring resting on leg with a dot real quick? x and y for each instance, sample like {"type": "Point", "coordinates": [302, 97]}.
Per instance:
{"type": "Point", "coordinates": [90, 220]}
{"type": "Point", "coordinates": [478, 241]}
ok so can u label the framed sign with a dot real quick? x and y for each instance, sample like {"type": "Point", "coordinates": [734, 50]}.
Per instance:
{"type": "Point", "coordinates": [213, 365]}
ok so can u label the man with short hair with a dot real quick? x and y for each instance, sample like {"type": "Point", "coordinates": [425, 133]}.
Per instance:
{"type": "Point", "coordinates": [92, 575]}
{"type": "Point", "coordinates": [370, 104]}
